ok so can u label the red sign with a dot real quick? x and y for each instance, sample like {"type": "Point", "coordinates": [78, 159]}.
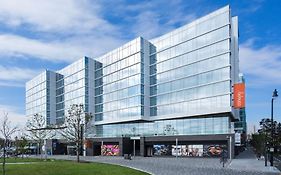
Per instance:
{"type": "Point", "coordinates": [239, 95]}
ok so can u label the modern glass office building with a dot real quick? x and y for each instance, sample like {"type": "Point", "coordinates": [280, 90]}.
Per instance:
{"type": "Point", "coordinates": [41, 96]}
{"type": "Point", "coordinates": [51, 93]}
{"type": "Point", "coordinates": [172, 95]}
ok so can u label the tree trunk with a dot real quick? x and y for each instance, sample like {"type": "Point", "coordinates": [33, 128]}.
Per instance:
{"type": "Point", "coordinates": [77, 152]}
{"type": "Point", "coordinates": [4, 158]}
{"type": "Point", "coordinates": [40, 150]}
{"type": "Point", "coordinates": [22, 152]}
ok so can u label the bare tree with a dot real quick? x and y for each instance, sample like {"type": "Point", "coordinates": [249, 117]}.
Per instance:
{"type": "Point", "coordinates": [6, 131]}
{"type": "Point", "coordinates": [75, 125]}
{"type": "Point", "coordinates": [39, 130]}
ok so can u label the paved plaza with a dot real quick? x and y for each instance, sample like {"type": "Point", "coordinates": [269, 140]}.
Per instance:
{"type": "Point", "coordinates": [247, 161]}
{"type": "Point", "coordinates": [244, 164]}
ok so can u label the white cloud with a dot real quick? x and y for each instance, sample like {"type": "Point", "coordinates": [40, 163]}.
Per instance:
{"type": "Point", "coordinates": [16, 76]}
{"type": "Point", "coordinates": [15, 45]}
{"type": "Point", "coordinates": [152, 22]}
{"type": "Point", "coordinates": [58, 30]}
{"type": "Point", "coordinates": [69, 29]}
{"type": "Point", "coordinates": [63, 51]}
{"type": "Point", "coordinates": [147, 28]}
{"type": "Point", "coordinates": [262, 64]}
{"type": "Point", "coordinates": [16, 118]}
{"type": "Point", "coordinates": [11, 84]}
{"type": "Point", "coordinates": [56, 15]}
{"type": "Point", "coordinates": [149, 24]}
{"type": "Point", "coordinates": [17, 73]}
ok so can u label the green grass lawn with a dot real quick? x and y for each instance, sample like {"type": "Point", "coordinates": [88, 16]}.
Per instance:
{"type": "Point", "coordinates": [60, 167]}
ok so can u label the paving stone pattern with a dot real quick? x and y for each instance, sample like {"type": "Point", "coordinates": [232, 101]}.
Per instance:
{"type": "Point", "coordinates": [174, 166]}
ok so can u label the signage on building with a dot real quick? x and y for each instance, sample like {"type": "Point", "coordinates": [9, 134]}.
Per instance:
{"type": "Point", "coordinates": [237, 139]}
{"type": "Point", "coordinates": [239, 95]}
{"type": "Point", "coordinates": [110, 150]}
{"type": "Point", "coordinates": [135, 138]}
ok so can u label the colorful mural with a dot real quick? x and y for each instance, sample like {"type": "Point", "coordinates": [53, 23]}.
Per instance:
{"type": "Point", "coordinates": [213, 150]}
{"type": "Point", "coordinates": [189, 150]}
{"type": "Point", "coordinates": [110, 150]}
{"type": "Point", "coordinates": [162, 150]}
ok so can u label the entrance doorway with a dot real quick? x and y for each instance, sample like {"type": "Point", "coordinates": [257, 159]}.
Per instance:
{"type": "Point", "coordinates": [135, 146]}
{"type": "Point", "coordinates": [149, 151]}
{"type": "Point", "coordinates": [96, 150]}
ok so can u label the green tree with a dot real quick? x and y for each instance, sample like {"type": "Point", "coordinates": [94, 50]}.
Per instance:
{"type": "Point", "coordinates": [258, 142]}
{"type": "Point", "coordinates": [21, 144]}
{"type": "Point", "coordinates": [263, 138]}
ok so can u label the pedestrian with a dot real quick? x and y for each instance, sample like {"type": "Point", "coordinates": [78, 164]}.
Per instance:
{"type": "Point", "coordinates": [223, 158]}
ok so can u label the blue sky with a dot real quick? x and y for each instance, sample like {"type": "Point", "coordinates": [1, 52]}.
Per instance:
{"type": "Point", "coordinates": [39, 34]}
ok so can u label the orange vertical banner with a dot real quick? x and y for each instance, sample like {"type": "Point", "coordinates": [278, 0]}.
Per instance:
{"type": "Point", "coordinates": [239, 95]}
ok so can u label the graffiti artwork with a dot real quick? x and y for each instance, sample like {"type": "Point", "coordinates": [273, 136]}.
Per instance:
{"type": "Point", "coordinates": [187, 150]}
{"type": "Point", "coordinates": [213, 150]}
{"type": "Point", "coordinates": [110, 150]}
{"type": "Point", "coordinates": [161, 150]}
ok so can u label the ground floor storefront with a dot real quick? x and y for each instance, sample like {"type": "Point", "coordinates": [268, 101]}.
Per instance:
{"type": "Point", "coordinates": [181, 145]}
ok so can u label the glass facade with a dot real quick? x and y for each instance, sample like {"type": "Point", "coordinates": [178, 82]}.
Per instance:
{"type": "Point", "coordinates": [38, 96]}
{"type": "Point", "coordinates": [119, 84]}
{"type": "Point", "coordinates": [190, 69]}
{"type": "Point", "coordinates": [241, 125]}
{"type": "Point", "coordinates": [177, 84]}
{"type": "Point", "coordinates": [190, 126]}
{"type": "Point", "coordinates": [59, 98]}
{"type": "Point", "coordinates": [52, 93]}
{"type": "Point", "coordinates": [74, 83]}
{"type": "Point", "coordinates": [71, 87]}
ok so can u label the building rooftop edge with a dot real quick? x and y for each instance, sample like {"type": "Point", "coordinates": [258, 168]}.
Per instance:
{"type": "Point", "coordinates": [196, 21]}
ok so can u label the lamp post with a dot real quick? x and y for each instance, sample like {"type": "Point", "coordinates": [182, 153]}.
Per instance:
{"type": "Point", "coordinates": [274, 95]}
{"type": "Point", "coordinates": [230, 147]}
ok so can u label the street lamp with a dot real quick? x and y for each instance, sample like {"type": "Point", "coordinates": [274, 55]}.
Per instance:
{"type": "Point", "coordinates": [274, 96]}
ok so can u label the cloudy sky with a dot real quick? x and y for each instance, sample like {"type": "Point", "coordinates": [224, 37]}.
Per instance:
{"type": "Point", "coordinates": [39, 34]}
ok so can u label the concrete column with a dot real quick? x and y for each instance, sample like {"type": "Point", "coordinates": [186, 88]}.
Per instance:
{"type": "Point", "coordinates": [121, 148]}
{"type": "Point", "coordinates": [142, 147]}
{"type": "Point", "coordinates": [134, 148]}
{"type": "Point", "coordinates": [230, 144]}
{"type": "Point", "coordinates": [49, 146]}
{"type": "Point", "coordinates": [89, 148]}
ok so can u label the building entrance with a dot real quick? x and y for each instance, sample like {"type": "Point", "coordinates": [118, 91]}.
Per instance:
{"type": "Point", "coordinates": [135, 142]}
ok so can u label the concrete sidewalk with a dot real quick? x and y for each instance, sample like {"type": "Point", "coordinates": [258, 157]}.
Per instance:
{"type": "Point", "coordinates": [247, 161]}
{"type": "Point", "coordinates": [245, 164]}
